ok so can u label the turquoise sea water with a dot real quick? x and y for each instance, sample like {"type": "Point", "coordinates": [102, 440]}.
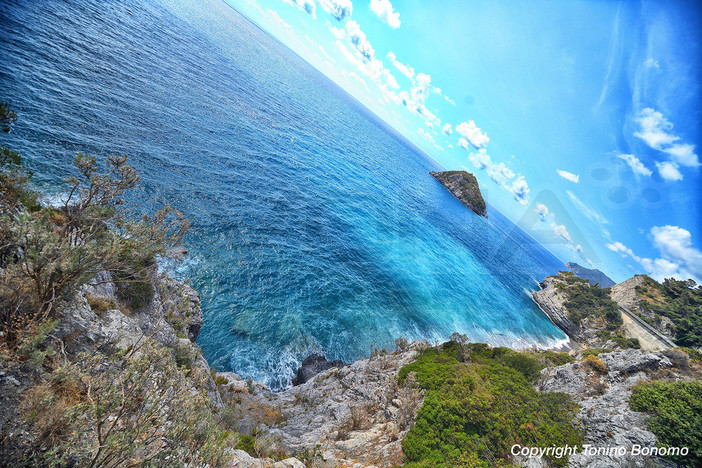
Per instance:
{"type": "Point", "coordinates": [316, 228]}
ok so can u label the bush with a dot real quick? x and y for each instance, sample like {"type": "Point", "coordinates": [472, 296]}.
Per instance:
{"type": "Point", "coordinates": [47, 252]}
{"type": "Point", "coordinates": [106, 410]}
{"type": "Point", "coordinates": [595, 363]}
{"type": "Point", "coordinates": [474, 411]}
{"type": "Point", "coordinates": [676, 415]}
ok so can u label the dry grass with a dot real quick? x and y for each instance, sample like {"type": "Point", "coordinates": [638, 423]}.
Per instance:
{"type": "Point", "coordinates": [595, 363]}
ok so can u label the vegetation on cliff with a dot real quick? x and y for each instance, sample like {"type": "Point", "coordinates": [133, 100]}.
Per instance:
{"type": "Point", "coordinates": [464, 186]}
{"type": "Point", "coordinates": [46, 252]}
{"type": "Point", "coordinates": [587, 300]}
{"type": "Point", "coordinates": [676, 415]}
{"type": "Point", "coordinates": [145, 405]}
{"type": "Point", "coordinates": [480, 401]}
{"type": "Point", "coordinates": [680, 301]}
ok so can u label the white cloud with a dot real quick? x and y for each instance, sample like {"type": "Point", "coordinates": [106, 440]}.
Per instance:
{"type": "Point", "coordinates": [654, 129]}
{"type": "Point", "coordinates": [473, 134]}
{"type": "Point", "coordinates": [420, 92]}
{"type": "Point", "coordinates": [568, 175]}
{"type": "Point", "coordinates": [359, 41]}
{"type": "Point", "coordinates": [499, 173]}
{"type": "Point", "coordinates": [683, 154]}
{"type": "Point", "coordinates": [449, 100]}
{"type": "Point", "coordinates": [543, 212]}
{"type": "Point", "coordinates": [337, 32]}
{"type": "Point", "coordinates": [560, 232]}
{"type": "Point", "coordinates": [463, 143]}
{"type": "Point", "coordinates": [623, 250]}
{"type": "Point", "coordinates": [307, 6]}
{"type": "Point", "coordinates": [678, 258]}
{"type": "Point", "coordinates": [339, 9]}
{"type": "Point", "coordinates": [675, 243]}
{"type": "Point", "coordinates": [669, 171]}
{"type": "Point", "coordinates": [364, 58]}
{"type": "Point", "coordinates": [384, 10]}
{"type": "Point", "coordinates": [447, 129]}
{"type": "Point", "coordinates": [520, 190]}
{"type": "Point", "coordinates": [425, 134]}
{"type": "Point", "coordinates": [586, 210]}
{"type": "Point", "coordinates": [635, 164]}
{"type": "Point", "coordinates": [481, 159]}
{"type": "Point", "coordinates": [389, 79]}
{"type": "Point", "coordinates": [402, 68]}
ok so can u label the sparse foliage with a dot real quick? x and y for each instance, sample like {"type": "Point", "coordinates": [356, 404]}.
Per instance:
{"type": "Point", "coordinates": [124, 410]}
{"type": "Point", "coordinates": [51, 251]}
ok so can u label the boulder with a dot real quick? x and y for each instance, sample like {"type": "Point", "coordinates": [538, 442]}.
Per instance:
{"type": "Point", "coordinates": [313, 365]}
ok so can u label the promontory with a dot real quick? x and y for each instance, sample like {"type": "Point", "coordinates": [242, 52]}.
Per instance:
{"type": "Point", "coordinates": [464, 186]}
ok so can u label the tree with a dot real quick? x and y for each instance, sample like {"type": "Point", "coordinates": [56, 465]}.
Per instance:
{"type": "Point", "coordinates": [46, 252]}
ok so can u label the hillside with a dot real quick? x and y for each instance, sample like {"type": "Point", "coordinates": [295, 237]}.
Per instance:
{"type": "Point", "coordinates": [591, 274]}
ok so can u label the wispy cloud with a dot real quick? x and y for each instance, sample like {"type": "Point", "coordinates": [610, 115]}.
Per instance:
{"type": "Point", "coordinates": [401, 67]}
{"type": "Point", "coordinates": [499, 173]}
{"type": "Point", "coordinates": [385, 11]}
{"type": "Point", "coordinates": [635, 164]}
{"type": "Point", "coordinates": [586, 210]}
{"type": "Point", "coordinates": [568, 175]}
{"type": "Point", "coordinates": [560, 232]}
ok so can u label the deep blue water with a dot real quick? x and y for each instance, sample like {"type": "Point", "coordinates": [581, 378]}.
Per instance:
{"type": "Point", "coordinates": [315, 227]}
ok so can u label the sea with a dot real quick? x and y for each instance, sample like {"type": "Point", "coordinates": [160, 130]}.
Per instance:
{"type": "Point", "coordinates": [316, 227]}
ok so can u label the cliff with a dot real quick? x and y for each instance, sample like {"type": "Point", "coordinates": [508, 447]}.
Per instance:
{"type": "Point", "coordinates": [464, 186]}
{"type": "Point", "coordinates": [602, 386]}
{"type": "Point", "coordinates": [596, 317]}
{"type": "Point", "coordinates": [551, 298]}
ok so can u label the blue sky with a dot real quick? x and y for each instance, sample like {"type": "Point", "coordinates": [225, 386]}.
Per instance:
{"type": "Point", "coordinates": [579, 118]}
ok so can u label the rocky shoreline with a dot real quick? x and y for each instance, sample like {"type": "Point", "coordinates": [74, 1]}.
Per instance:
{"type": "Point", "coordinates": [339, 414]}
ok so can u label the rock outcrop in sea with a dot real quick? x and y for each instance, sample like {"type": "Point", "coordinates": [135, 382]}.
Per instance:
{"type": "Point", "coordinates": [464, 186]}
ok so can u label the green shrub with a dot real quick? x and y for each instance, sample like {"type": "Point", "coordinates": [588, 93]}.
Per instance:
{"type": "Point", "coordinates": [105, 410]}
{"type": "Point", "coordinates": [475, 410]}
{"type": "Point", "coordinates": [676, 415]}
{"type": "Point", "coordinates": [553, 358]}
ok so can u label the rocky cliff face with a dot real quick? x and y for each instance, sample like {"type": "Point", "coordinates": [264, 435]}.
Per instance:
{"type": "Point", "coordinates": [603, 393]}
{"type": "Point", "coordinates": [625, 295]}
{"type": "Point", "coordinates": [354, 415]}
{"type": "Point", "coordinates": [552, 301]}
{"type": "Point", "coordinates": [464, 186]}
